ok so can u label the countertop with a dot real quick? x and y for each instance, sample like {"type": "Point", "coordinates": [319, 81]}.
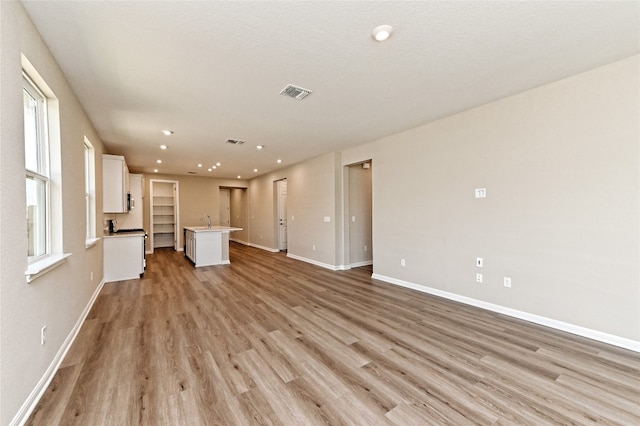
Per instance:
{"type": "Point", "coordinates": [123, 234]}
{"type": "Point", "coordinates": [211, 229]}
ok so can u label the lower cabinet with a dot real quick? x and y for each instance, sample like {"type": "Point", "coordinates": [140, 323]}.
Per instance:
{"type": "Point", "coordinates": [123, 257]}
{"type": "Point", "coordinates": [203, 248]}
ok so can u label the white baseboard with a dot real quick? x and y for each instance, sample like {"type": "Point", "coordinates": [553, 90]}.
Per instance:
{"type": "Point", "coordinates": [313, 262]}
{"type": "Point", "coordinates": [363, 263]}
{"type": "Point", "coordinates": [272, 250]}
{"type": "Point", "coordinates": [245, 243]}
{"type": "Point", "coordinates": [610, 339]}
{"type": "Point", "coordinates": [32, 401]}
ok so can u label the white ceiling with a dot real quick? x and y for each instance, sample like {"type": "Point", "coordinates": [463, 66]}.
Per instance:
{"type": "Point", "coordinates": [211, 71]}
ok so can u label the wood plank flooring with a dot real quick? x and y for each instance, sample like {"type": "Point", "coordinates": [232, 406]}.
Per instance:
{"type": "Point", "coordinates": [269, 340]}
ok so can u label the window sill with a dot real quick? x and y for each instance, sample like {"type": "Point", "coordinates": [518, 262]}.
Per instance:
{"type": "Point", "coordinates": [41, 267]}
{"type": "Point", "coordinates": [91, 242]}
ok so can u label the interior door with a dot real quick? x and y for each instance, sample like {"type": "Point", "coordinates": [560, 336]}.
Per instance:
{"type": "Point", "coordinates": [225, 207]}
{"type": "Point", "coordinates": [281, 193]}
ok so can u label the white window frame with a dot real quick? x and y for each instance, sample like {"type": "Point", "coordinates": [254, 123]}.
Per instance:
{"type": "Point", "coordinates": [51, 150]}
{"type": "Point", "coordinates": [42, 173]}
{"type": "Point", "coordinates": [90, 192]}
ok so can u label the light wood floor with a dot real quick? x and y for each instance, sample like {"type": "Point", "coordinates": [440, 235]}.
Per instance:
{"type": "Point", "coordinates": [270, 340]}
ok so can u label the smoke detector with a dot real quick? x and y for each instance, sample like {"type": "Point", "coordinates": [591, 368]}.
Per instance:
{"type": "Point", "coordinates": [235, 141]}
{"type": "Point", "coordinates": [295, 92]}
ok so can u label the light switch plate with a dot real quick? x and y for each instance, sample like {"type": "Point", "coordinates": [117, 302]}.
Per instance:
{"type": "Point", "coordinates": [327, 218]}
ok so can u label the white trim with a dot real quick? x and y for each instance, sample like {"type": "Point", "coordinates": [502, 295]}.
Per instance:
{"type": "Point", "coordinates": [41, 267]}
{"type": "Point", "coordinates": [600, 336]}
{"type": "Point", "coordinates": [246, 243]}
{"type": "Point", "coordinates": [34, 398]}
{"type": "Point", "coordinates": [91, 242]}
{"type": "Point", "coordinates": [272, 250]}
{"type": "Point", "coordinates": [359, 264]}
{"type": "Point", "coordinates": [313, 262]}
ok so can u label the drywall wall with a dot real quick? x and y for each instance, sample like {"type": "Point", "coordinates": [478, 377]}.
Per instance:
{"type": "Point", "coordinates": [197, 196]}
{"type": "Point", "coordinates": [560, 164]}
{"type": "Point", "coordinates": [58, 298]}
{"type": "Point", "coordinates": [311, 187]}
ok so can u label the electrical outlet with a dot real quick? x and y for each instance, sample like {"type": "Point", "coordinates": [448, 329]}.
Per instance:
{"type": "Point", "coordinates": [479, 262]}
{"type": "Point", "coordinates": [507, 282]}
{"type": "Point", "coordinates": [353, 218]}
{"type": "Point", "coordinates": [365, 248]}
{"type": "Point", "coordinates": [327, 218]}
{"type": "Point", "coordinates": [478, 278]}
{"type": "Point", "coordinates": [91, 275]}
{"type": "Point", "coordinates": [43, 335]}
{"type": "Point", "coordinates": [403, 262]}
{"type": "Point", "coordinates": [314, 247]}
{"type": "Point", "coordinates": [481, 192]}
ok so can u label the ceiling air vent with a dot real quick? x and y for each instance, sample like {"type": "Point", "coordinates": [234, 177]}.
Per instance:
{"type": "Point", "coordinates": [235, 141]}
{"type": "Point", "coordinates": [295, 92]}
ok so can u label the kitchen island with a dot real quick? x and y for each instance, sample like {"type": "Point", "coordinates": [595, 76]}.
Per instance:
{"type": "Point", "coordinates": [207, 245]}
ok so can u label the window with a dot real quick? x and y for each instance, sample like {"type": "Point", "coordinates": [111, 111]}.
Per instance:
{"type": "Point", "coordinates": [37, 171]}
{"type": "Point", "coordinates": [90, 190]}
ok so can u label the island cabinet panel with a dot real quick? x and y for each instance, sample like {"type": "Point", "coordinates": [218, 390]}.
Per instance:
{"type": "Point", "coordinates": [206, 246]}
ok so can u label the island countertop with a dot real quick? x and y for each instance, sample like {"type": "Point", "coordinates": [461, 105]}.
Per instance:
{"type": "Point", "coordinates": [223, 229]}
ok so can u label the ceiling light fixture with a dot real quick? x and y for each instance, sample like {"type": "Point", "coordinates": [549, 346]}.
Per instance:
{"type": "Point", "coordinates": [255, 170]}
{"type": "Point", "coordinates": [208, 170]}
{"type": "Point", "coordinates": [382, 32]}
{"type": "Point", "coordinates": [218, 164]}
{"type": "Point", "coordinates": [213, 167]}
{"type": "Point", "coordinates": [167, 132]}
{"type": "Point", "coordinates": [239, 177]}
{"type": "Point", "coordinates": [155, 170]}
{"type": "Point", "coordinates": [163, 147]}
{"type": "Point", "coordinates": [259, 147]}
{"type": "Point", "coordinates": [159, 161]}
{"type": "Point", "coordinates": [279, 161]}
{"type": "Point", "coordinates": [199, 165]}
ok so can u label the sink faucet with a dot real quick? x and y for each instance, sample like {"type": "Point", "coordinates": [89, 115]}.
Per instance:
{"type": "Point", "coordinates": [208, 220]}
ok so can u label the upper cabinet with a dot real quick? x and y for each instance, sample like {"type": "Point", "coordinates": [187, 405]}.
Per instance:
{"type": "Point", "coordinates": [115, 184]}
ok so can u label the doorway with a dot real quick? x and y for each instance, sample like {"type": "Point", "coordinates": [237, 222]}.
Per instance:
{"type": "Point", "coordinates": [163, 214]}
{"type": "Point", "coordinates": [281, 214]}
{"type": "Point", "coordinates": [225, 207]}
{"type": "Point", "coordinates": [360, 215]}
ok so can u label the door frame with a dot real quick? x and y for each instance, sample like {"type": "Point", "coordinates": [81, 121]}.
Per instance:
{"type": "Point", "coordinates": [176, 209]}
{"type": "Point", "coordinates": [276, 192]}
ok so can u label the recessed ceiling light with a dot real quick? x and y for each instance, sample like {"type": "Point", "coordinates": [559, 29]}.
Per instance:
{"type": "Point", "coordinates": [163, 147]}
{"type": "Point", "coordinates": [218, 164]}
{"type": "Point", "coordinates": [167, 132]}
{"type": "Point", "coordinates": [199, 165]}
{"type": "Point", "coordinates": [382, 32]}
{"type": "Point", "coordinates": [213, 167]}
{"type": "Point", "coordinates": [155, 170]}
{"type": "Point", "coordinates": [279, 161]}
{"type": "Point", "coordinates": [239, 177]}
{"type": "Point", "coordinates": [159, 161]}
{"type": "Point", "coordinates": [255, 170]}
{"type": "Point", "coordinates": [259, 147]}
{"type": "Point", "coordinates": [209, 170]}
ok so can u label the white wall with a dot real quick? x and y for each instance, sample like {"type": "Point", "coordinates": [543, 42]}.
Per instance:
{"type": "Point", "coordinates": [58, 298]}
{"type": "Point", "coordinates": [561, 167]}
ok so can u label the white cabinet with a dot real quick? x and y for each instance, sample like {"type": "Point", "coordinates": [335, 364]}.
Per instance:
{"type": "Point", "coordinates": [204, 248]}
{"type": "Point", "coordinates": [133, 219]}
{"type": "Point", "coordinates": [115, 184]}
{"type": "Point", "coordinates": [123, 256]}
